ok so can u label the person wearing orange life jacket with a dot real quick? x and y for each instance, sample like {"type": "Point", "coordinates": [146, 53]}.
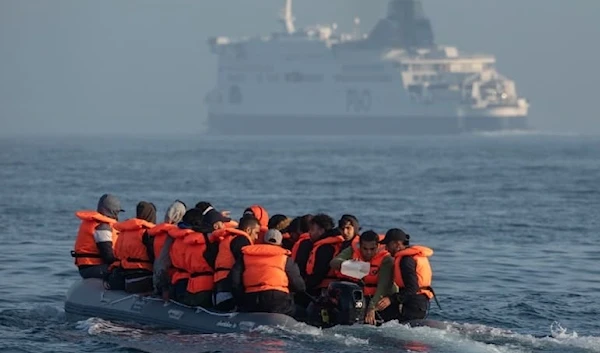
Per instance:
{"type": "Point", "coordinates": [193, 258]}
{"type": "Point", "coordinates": [93, 249]}
{"type": "Point", "coordinates": [231, 242]}
{"type": "Point", "coordinates": [264, 277]}
{"type": "Point", "coordinates": [327, 242]}
{"type": "Point", "coordinates": [159, 235]}
{"type": "Point", "coordinates": [378, 283]}
{"type": "Point", "coordinates": [132, 269]}
{"type": "Point", "coordinates": [260, 213]}
{"type": "Point", "coordinates": [412, 274]}
{"type": "Point", "coordinates": [298, 228]}
{"type": "Point", "coordinates": [204, 219]}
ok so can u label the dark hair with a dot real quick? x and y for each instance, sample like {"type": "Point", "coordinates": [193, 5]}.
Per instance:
{"type": "Point", "coordinates": [248, 222]}
{"type": "Point", "coordinates": [368, 236]}
{"type": "Point", "coordinates": [322, 221]}
{"type": "Point", "coordinates": [275, 220]}
{"type": "Point", "coordinates": [348, 218]}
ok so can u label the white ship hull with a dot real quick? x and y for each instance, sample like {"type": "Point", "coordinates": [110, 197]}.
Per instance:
{"type": "Point", "coordinates": [358, 125]}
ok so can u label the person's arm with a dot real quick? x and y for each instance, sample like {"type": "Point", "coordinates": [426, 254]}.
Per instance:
{"type": "Point", "coordinates": [303, 255]}
{"type": "Point", "coordinates": [235, 277]}
{"type": "Point", "coordinates": [103, 239]}
{"type": "Point", "coordinates": [236, 246]}
{"type": "Point", "coordinates": [408, 270]}
{"type": "Point", "coordinates": [346, 254]}
{"type": "Point", "coordinates": [162, 265]}
{"type": "Point", "coordinates": [385, 281]}
{"type": "Point", "coordinates": [148, 242]}
{"type": "Point", "coordinates": [296, 283]}
{"type": "Point", "coordinates": [321, 266]}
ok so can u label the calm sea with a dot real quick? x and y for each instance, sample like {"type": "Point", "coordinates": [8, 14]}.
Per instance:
{"type": "Point", "coordinates": [513, 220]}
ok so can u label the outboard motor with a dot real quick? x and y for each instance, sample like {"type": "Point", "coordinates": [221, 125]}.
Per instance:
{"type": "Point", "coordinates": [349, 302]}
{"type": "Point", "coordinates": [342, 304]}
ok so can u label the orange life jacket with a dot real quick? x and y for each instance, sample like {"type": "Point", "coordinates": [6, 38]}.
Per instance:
{"type": "Point", "coordinates": [424, 275]}
{"type": "Point", "coordinates": [187, 257]}
{"type": "Point", "coordinates": [262, 215]}
{"type": "Point", "coordinates": [264, 268]}
{"type": "Point", "coordinates": [372, 278]}
{"type": "Point", "coordinates": [302, 238]}
{"type": "Point", "coordinates": [225, 260]}
{"type": "Point", "coordinates": [231, 224]}
{"type": "Point", "coordinates": [130, 251]}
{"type": "Point", "coordinates": [332, 275]}
{"type": "Point", "coordinates": [85, 250]}
{"type": "Point", "coordinates": [160, 233]}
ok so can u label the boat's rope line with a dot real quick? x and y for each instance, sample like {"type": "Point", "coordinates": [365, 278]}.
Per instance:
{"type": "Point", "coordinates": [197, 308]}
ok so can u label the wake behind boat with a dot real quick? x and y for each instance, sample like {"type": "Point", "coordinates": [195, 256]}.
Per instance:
{"type": "Point", "coordinates": [88, 298]}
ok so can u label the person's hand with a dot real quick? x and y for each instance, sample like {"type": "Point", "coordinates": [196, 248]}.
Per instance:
{"type": "Point", "coordinates": [370, 317]}
{"type": "Point", "coordinates": [226, 214]}
{"type": "Point", "coordinates": [383, 303]}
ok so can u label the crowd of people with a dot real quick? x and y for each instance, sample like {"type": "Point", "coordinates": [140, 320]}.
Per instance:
{"type": "Point", "coordinates": [200, 256]}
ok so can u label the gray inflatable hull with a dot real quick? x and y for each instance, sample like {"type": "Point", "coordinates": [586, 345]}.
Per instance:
{"type": "Point", "coordinates": [87, 298]}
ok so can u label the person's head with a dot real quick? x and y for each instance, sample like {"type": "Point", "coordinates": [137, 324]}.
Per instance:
{"type": "Point", "coordinates": [109, 206]}
{"type": "Point", "coordinates": [368, 244]}
{"type": "Point", "coordinates": [273, 237]}
{"type": "Point", "coordinates": [146, 211]}
{"type": "Point", "coordinates": [192, 218]}
{"type": "Point", "coordinates": [395, 240]}
{"type": "Point", "coordinates": [318, 225]}
{"type": "Point", "coordinates": [250, 226]}
{"type": "Point", "coordinates": [258, 212]}
{"type": "Point", "coordinates": [348, 225]}
{"type": "Point", "coordinates": [213, 219]}
{"type": "Point", "coordinates": [203, 205]}
{"type": "Point", "coordinates": [175, 212]}
{"type": "Point", "coordinates": [279, 222]}
{"type": "Point", "coordinates": [299, 226]}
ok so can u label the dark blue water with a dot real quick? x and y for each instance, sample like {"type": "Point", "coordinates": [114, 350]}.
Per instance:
{"type": "Point", "coordinates": [513, 220]}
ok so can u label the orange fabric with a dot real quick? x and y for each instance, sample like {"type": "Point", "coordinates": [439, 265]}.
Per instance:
{"type": "Point", "coordinates": [332, 275]}
{"type": "Point", "coordinates": [160, 233]}
{"type": "Point", "coordinates": [264, 268]}
{"type": "Point", "coordinates": [177, 254]}
{"type": "Point", "coordinates": [85, 250]}
{"type": "Point", "coordinates": [262, 215]}
{"type": "Point", "coordinates": [372, 278]}
{"type": "Point", "coordinates": [303, 237]}
{"type": "Point", "coordinates": [187, 256]}
{"type": "Point", "coordinates": [130, 251]}
{"type": "Point", "coordinates": [231, 224]}
{"type": "Point", "coordinates": [424, 273]}
{"type": "Point", "coordinates": [225, 260]}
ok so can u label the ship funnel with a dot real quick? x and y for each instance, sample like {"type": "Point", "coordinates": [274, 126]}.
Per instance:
{"type": "Point", "coordinates": [405, 26]}
{"type": "Point", "coordinates": [287, 18]}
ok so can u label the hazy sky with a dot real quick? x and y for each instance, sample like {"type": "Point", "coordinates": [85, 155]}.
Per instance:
{"type": "Point", "coordinates": [71, 66]}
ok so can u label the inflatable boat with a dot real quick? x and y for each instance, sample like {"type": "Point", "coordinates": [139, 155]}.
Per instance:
{"type": "Point", "coordinates": [88, 298]}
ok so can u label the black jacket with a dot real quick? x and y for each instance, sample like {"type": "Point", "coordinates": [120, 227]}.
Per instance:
{"type": "Point", "coordinates": [323, 257]}
{"type": "Point", "coordinates": [408, 270]}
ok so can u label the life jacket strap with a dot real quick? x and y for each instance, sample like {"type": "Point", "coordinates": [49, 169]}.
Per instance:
{"type": "Point", "coordinates": [80, 255]}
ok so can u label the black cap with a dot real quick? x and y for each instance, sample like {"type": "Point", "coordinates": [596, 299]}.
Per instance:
{"type": "Point", "coordinates": [395, 234]}
{"type": "Point", "coordinates": [212, 216]}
